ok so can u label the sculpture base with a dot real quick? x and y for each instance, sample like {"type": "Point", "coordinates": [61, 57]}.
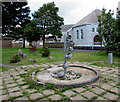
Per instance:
{"type": "Point", "coordinates": [78, 75]}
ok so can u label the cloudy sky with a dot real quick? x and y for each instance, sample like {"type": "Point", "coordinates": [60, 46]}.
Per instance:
{"type": "Point", "coordinates": [74, 10]}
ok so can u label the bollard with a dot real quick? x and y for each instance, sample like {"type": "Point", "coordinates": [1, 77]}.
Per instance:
{"type": "Point", "coordinates": [110, 58]}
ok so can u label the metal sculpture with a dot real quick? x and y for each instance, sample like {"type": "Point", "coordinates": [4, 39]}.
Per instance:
{"type": "Point", "coordinates": [67, 50]}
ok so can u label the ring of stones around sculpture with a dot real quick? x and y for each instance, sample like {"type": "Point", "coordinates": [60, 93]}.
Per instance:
{"type": "Point", "coordinates": [44, 76]}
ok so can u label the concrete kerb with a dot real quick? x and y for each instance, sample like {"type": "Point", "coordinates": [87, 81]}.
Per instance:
{"type": "Point", "coordinates": [64, 85]}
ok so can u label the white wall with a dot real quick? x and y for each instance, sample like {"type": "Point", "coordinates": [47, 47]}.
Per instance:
{"type": "Point", "coordinates": [62, 37]}
{"type": "Point", "coordinates": [88, 35]}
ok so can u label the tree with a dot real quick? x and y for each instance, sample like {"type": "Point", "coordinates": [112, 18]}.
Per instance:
{"type": "Point", "coordinates": [47, 21]}
{"type": "Point", "coordinates": [106, 28]}
{"type": "Point", "coordinates": [32, 32]}
{"type": "Point", "coordinates": [13, 14]}
{"type": "Point", "coordinates": [116, 37]}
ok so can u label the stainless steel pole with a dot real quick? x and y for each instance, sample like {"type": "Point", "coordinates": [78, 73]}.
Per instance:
{"type": "Point", "coordinates": [65, 48]}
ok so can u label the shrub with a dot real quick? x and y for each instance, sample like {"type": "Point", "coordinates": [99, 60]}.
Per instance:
{"type": "Point", "coordinates": [15, 59]}
{"type": "Point", "coordinates": [32, 49]}
{"type": "Point", "coordinates": [45, 52]}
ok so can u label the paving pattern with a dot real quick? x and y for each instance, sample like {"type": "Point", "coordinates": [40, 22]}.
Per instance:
{"type": "Point", "coordinates": [14, 86]}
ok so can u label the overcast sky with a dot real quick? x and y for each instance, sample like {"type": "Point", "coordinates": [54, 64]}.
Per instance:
{"type": "Point", "coordinates": [74, 10]}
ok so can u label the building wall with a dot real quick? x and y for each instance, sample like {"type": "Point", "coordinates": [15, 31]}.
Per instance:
{"type": "Point", "coordinates": [56, 45]}
{"type": "Point", "coordinates": [88, 34]}
{"type": "Point", "coordinates": [62, 37]}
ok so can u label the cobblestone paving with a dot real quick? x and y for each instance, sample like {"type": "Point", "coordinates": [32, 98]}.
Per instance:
{"type": "Point", "coordinates": [13, 86]}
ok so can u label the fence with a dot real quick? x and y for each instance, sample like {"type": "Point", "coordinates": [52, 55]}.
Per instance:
{"type": "Point", "coordinates": [6, 43]}
{"type": "Point", "coordinates": [17, 45]}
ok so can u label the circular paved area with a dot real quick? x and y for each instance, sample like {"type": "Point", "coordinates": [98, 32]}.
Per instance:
{"type": "Point", "coordinates": [87, 76]}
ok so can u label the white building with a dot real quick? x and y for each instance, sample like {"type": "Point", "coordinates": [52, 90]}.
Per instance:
{"type": "Point", "coordinates": [84, 33]}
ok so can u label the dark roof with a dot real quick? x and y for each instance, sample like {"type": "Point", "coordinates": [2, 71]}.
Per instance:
{"type": "Point", "coordinates": [65, 28]}
{"type": "Point", "coordinates": [90, 18]}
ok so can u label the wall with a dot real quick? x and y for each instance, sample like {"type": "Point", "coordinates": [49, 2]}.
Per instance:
{"type": "Point", "coordinates": [62, 37]}
{"type": "Point", "coordinates": [88, 48]}
{"type": "Point", "coordinates": [88, 35]}
{"type": "Point", "coordinates": [6, 43]}
{"type": "Point", "coordinates": [56, 45]}
{"type": "Point", "coordinates": [17, 45]}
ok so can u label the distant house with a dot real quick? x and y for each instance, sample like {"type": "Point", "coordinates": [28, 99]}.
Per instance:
{"type": "Point", "coordinates": [84, 33]}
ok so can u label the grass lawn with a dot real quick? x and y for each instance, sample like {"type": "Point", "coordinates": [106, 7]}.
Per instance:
{"type": "Point", "coordinates": [100, 57]}
{"type": "Point", "coordinates": [8, 53]}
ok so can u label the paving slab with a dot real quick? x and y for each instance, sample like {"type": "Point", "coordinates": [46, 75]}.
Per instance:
{"type": "Point", "coordinates": [17, 77]}
{"type": "Point", "coordinates": [79, 90]}
{"type": "Point", "coordinates": [22, 72]}
{"type": "Point", "coordinates": [21, 82]}
{"type": "Point", "coordinates": [97, 90]}
{"type": "Point", "coordinates": [30, 90]}
{"type": "Point", "coordinates": [1, 87]}
{"type": "Point", "coordinates": [4, 97]}
{"type": "Point", "coordinates": [55, 97]}
{"type": "Point", "coordinates": [11, 90]}
{"type": "Point", "coordinates": [68, 93]}
{"type": "Point", "coordinates": [24, 87]}
{"type": "Point", "coordinates": [3, 92]}
{"type": "Point", "coordinates": [1, 83]}
{"type": "Point", "coordinates": [43, 100]}
{"type": "Point", "coordinates": [77, 97]}
{"type": "Point", "coordinates": [20, 79]}
{"type": "Point", "coordinates": [5, 73]}
{"type": "Point", "coordinates": [23, 67]}
{"type": "Point", "coordinates": [18, 68]}
{"type": "Point", "coordinates": [35, 96]}
{"type": "Point", "coordinates": [15, 74]}
{"type": "Point", "coordinates": [8, 79]}
{"type": "Point", "coordinates": [114, 75]}
{"type": "Point", "coordinates": [106, 86]}
{"type": "Point", "coordinates": [14, 94]}
{"type": "Point", "coordinates": [9, 82]}
{"type": "Point", "coordinates": [115, 90]}
{"type": "Point", "coordinates": [112, 83]}
{"type": "Point", "coordinates": [47, 92]}
{"type": "Point", "coordinates": [88, 94]}
{"type": "Point", "coordinates": [11, 85]}
{"type": "Point", "coordinates": [101, 98]}
{"type": "Point", "coordinates": [111, 96]}
{"type": "Point", "coordinates": [22, 98]}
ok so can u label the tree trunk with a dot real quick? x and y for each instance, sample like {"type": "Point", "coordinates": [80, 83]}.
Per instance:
{"type": "Point", "coordinates": [43, 41]}
{"type": "Point", "coordinates": [107, 50]}
{"type": "Point", "coordinates": [23, 42]}
{"type": "Point", "coordinates": [101, 46]}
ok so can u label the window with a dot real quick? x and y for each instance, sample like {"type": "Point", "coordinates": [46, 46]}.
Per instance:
{"type": "Point", "coordinates": [96, 29]}
{"type": "Point", "coordinates": [93, 29]}
{"type": "Point", "coordinates": [81, 33]}
{"type": "Point", "coordinates": [77, 34]}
